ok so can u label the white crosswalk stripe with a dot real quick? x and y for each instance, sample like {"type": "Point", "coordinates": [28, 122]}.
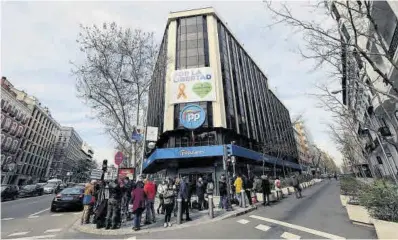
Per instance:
{"type": "Point", "coordinates": [287, 235]}
{"type": "Point", "coordinates": [243, 221]}
{"type": "Point", "coordinates": [53, 230]}
{"type": "Point", "coordinates": [262, 227]}
{"type": "Point", "coordinates": [57, 215]}
{"type": "Point", "coordinates": [33, 216]}
{"type": "Point", "coordinates": [18, 234]}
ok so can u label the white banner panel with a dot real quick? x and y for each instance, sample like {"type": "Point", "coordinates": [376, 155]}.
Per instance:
{"type": "Point", "coordinates": [193, 85]}
{"type": "Point", "coordinates": [151, 134]}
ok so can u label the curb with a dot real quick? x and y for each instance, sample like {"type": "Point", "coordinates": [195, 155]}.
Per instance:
{"type": "Point", "coordinates": [128, 231]}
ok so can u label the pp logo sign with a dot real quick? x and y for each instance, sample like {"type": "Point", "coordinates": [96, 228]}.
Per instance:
{"type": "Point", "coordinates": [192, 116]}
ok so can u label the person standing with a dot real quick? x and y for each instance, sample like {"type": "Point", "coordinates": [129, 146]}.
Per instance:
{"type": "Point", "coordinates": [210, 190]}
{"type": "Point", "coordinates": [176, 187]}
{"type": "Point", "coordinates": [87, 202]}
{"type": "Point", "coordinates": [266, 189]}
{"type": "Point", "coordinates": [277, 187]}
{"type": "Point", "coordinates": [248, 186]}
{"type": "Point", "coordinates": [150, 193]}
{"type": "Point", "coordinates": [223, 192]}
{"type": "Point", "coordinates": [200, 192]}
{"type": "Point", "coordinates": [138, 200]}
{"type": "Point", "coordinates": [161, 190]}
{"type": "Point", "coordinates": [113, 209]}
{"type": "Point", "coordinates": [183, 195]}
{"type": "Point", "coordinates": [168, 200]}
{"type": "Point", "coordinates": [126, 189]}
{"type": "Point", "coordinates": [238, 187]}
{"type": "Point", "coordinates": [296, 186]}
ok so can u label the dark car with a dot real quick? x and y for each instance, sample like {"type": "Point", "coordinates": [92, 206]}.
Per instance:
{"type": "Point", "coordinates": [69, 198]}
{"type": "Point", "coordinates": [9, 192]}
{"type": "Point", "coordinates": [31, 190]}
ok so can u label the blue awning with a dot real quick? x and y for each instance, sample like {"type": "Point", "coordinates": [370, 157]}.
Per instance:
{"type": "Point", "coordinates": [212, 151]}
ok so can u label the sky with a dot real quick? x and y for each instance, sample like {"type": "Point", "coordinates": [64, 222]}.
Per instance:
{"type": "Point", "coordinates": [38, 41]}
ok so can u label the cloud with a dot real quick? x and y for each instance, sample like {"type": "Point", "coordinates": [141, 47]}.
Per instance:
{"type": "Point", "coordinates": [38, 41]}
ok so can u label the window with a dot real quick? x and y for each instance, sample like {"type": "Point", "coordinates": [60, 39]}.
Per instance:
{"type": "Point", "coordinates": [379, 161]}
{"type": "Point", "coordinates": [335, 12]}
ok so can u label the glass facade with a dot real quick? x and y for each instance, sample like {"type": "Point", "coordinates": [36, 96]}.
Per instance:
{"type": "Point", "coordinates": [251, 109]}
{"type": "Point", "coordinates": [157, 88]}
{"type": "Point", "coordinates": [254, 115]}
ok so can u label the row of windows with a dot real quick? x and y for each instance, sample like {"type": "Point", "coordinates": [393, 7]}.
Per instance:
{"type": "Point", "coordinates": [251, 109]}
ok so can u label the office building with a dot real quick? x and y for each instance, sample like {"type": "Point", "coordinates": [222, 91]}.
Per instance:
{"type": "Point", "coordinates": [304, 143]}
{"type": "Point", "coordinates": [15, 115]}
{"type": "Point", "coordinates": [207, 92]}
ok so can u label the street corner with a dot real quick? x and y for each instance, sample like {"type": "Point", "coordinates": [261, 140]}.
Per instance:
{"type": "Point", "coordinates": [198, 218]}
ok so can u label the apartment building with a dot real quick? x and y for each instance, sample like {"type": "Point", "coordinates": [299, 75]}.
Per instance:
{"type": "Point", "coordinates": [69, 155]}
{"type": "Point", "coordinates": [38, 145]}
{"type": "Point", "coordinates": [15, 115]}
{"type": "Point", "coordinates": [304, 143]}
{"type": "Point", "coordinates": [365, 89]}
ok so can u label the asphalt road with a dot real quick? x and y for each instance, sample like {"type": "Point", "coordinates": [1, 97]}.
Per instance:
{"type": "Point", "coordinates": [31, 218]}
{"type": "Point", "coordinates": [318, 215]}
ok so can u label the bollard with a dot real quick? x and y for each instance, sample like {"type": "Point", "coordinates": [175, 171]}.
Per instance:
{"type": "Point", "coordinates": [179, 210]}
{"type": "Point", "coordinates": [211, 210]}
{"type": "Point", "coordinates": [243, 198]}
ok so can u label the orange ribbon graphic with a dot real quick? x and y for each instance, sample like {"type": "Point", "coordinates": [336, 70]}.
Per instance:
{"type": "Point", "coordinates": [181, 93]}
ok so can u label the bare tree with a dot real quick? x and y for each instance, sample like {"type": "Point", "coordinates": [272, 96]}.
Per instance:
{"type": "Point", "coordinates": [114, 77]}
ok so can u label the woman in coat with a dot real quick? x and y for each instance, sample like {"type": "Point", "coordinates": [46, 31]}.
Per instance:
{"type": "Point", "coordinates": [138, 201]}
{"type": "Point", "coordinates": [168, 197]}
{"type": "Point", "coordinates": [266, 187]}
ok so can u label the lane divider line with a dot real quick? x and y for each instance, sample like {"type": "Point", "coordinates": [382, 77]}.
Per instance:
{"type": "Point", "coordinates": [57, 215]}
{"type": "Point", "coordinates": [243, 221]}
{"type": "Point", "coordinates": [6, 219]}
{"type": "Point", "coordinates": [33, 214]}
{"type": "Point", "coordinates": [262, 227]}
{"type": "Point", "coordinates": [35, 237]}
{"type": "Point", "coordinates": [288, 235]}
{"type": "Point", "coordinates": [17, 234]}
{"type": "Point", "coordinates": [297, 227]}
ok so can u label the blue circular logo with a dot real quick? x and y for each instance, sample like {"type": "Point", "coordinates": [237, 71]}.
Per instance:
{"type": "Point", "coordinates": [192, 116]}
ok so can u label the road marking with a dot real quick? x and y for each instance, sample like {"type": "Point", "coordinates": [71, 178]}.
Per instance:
{"type": "Point", "coordinates": [287, 235]}
{"type": "Point", "coordinates": [262, 227]}
{"type": "Point", "coordinates": [33, 216]}
{"type": "Point", "coordinates": [57, 215]}
{"type": "Point", "coordinates": [132, 238]}
{"type": "Point", "coordinates": [53, 230]}
{"type": "Point", "coordinates": [77, 213]}
{"type": "Point", "coordinates": [40, 211]}
{"type": "Point", "coordinates": [243, 221]}
{"type": "Point", "coordinates": [6, 219]}
{"type": "Point", "coordinates": [17, 234]}
{"type": "Point", "coordinates": [304, 229]}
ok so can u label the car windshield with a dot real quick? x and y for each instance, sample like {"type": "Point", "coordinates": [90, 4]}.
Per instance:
{"type": "Point", "coordinates": [29, 187]}
{"type": "Point", "coordinates": [72, 191]}
{"type": "Point", "coordinates": [50, 185]}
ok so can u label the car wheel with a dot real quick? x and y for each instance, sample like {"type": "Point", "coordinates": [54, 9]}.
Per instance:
{"type": "Point", "coordinates": [53, 209]}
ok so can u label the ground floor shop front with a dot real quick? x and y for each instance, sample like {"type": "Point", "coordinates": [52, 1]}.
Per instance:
{"type": "Point", "coordinates": [207, 162]}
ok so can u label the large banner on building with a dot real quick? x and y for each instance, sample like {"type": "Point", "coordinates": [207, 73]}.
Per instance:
{"type": "Point", "coordinates": [193, 85]}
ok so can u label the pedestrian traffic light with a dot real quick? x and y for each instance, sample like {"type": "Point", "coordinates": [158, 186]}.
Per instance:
{"type": "Point", "coordinates": [229, 151]}
{"type": "Point", "coordinates": [104, 165]}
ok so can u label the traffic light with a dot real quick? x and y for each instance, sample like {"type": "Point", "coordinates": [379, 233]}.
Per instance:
{"type": "Point", "coordinates": [229, 152]}
{"type": "Point", "coordinates": [105, 165]}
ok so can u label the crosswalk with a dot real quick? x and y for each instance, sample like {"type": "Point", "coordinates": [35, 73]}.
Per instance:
{"type": "Point", "coordinates": [37, 216]}
{"type": "Point", "coordinates": [267, 224]}
{"type": "Point", "coordinates": [47, 234]}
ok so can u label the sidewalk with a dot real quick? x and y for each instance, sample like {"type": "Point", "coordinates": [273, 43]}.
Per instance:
{"type": "Point", "coordinates": [198, 218]}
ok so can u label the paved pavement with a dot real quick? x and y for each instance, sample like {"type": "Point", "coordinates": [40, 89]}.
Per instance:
{"type": "Point", "coordinates": [318, 215]}
{"type": "Point", "coordinates": [31, 218]}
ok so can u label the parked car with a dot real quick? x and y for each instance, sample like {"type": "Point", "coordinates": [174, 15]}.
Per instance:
{"type": "Point", "coordinates": [50, 188]}
{"type": "Point", "coordinates": [31, 190]}
{"type": "Point", "coordinates": [42, 184]}
{"type": "Point", "coordinates": [9, 192]}
{"type": "Point", "coordinates": [69, 198]}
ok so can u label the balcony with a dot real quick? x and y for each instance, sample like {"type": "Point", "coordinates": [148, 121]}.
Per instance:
{"type": "Point", "coordinates": [385, 131]}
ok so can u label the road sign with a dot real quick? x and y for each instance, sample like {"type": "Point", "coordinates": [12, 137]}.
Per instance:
{"type": "Point", "coordinates": [118, 158]}
{"type": "Point", "coordinates": [137, 134]}
{"type": "Point", "coordinates": [96, 174]}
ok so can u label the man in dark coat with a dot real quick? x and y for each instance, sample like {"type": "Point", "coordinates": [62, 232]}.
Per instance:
{"type": "Point", "coordinates": [183, 195]}
{"type": "Point", "coordinates": [113, 210]}
{"type": "Point", "coordinates": [266, 188]}
{"type": "Point", "coordinates": [200, 192]}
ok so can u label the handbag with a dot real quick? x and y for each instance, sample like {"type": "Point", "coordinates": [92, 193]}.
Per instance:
{"type": "Point", "coordinates": [87, 199]}
{"type": "Point", "coordinates": [92, 201]}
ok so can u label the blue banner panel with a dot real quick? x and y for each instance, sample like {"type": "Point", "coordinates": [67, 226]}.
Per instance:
{"type": "Point", "coordinates": [184, 152]}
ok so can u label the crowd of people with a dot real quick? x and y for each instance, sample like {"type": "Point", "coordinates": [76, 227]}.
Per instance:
{"type": "Point", "coordinates": [108, 203]}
